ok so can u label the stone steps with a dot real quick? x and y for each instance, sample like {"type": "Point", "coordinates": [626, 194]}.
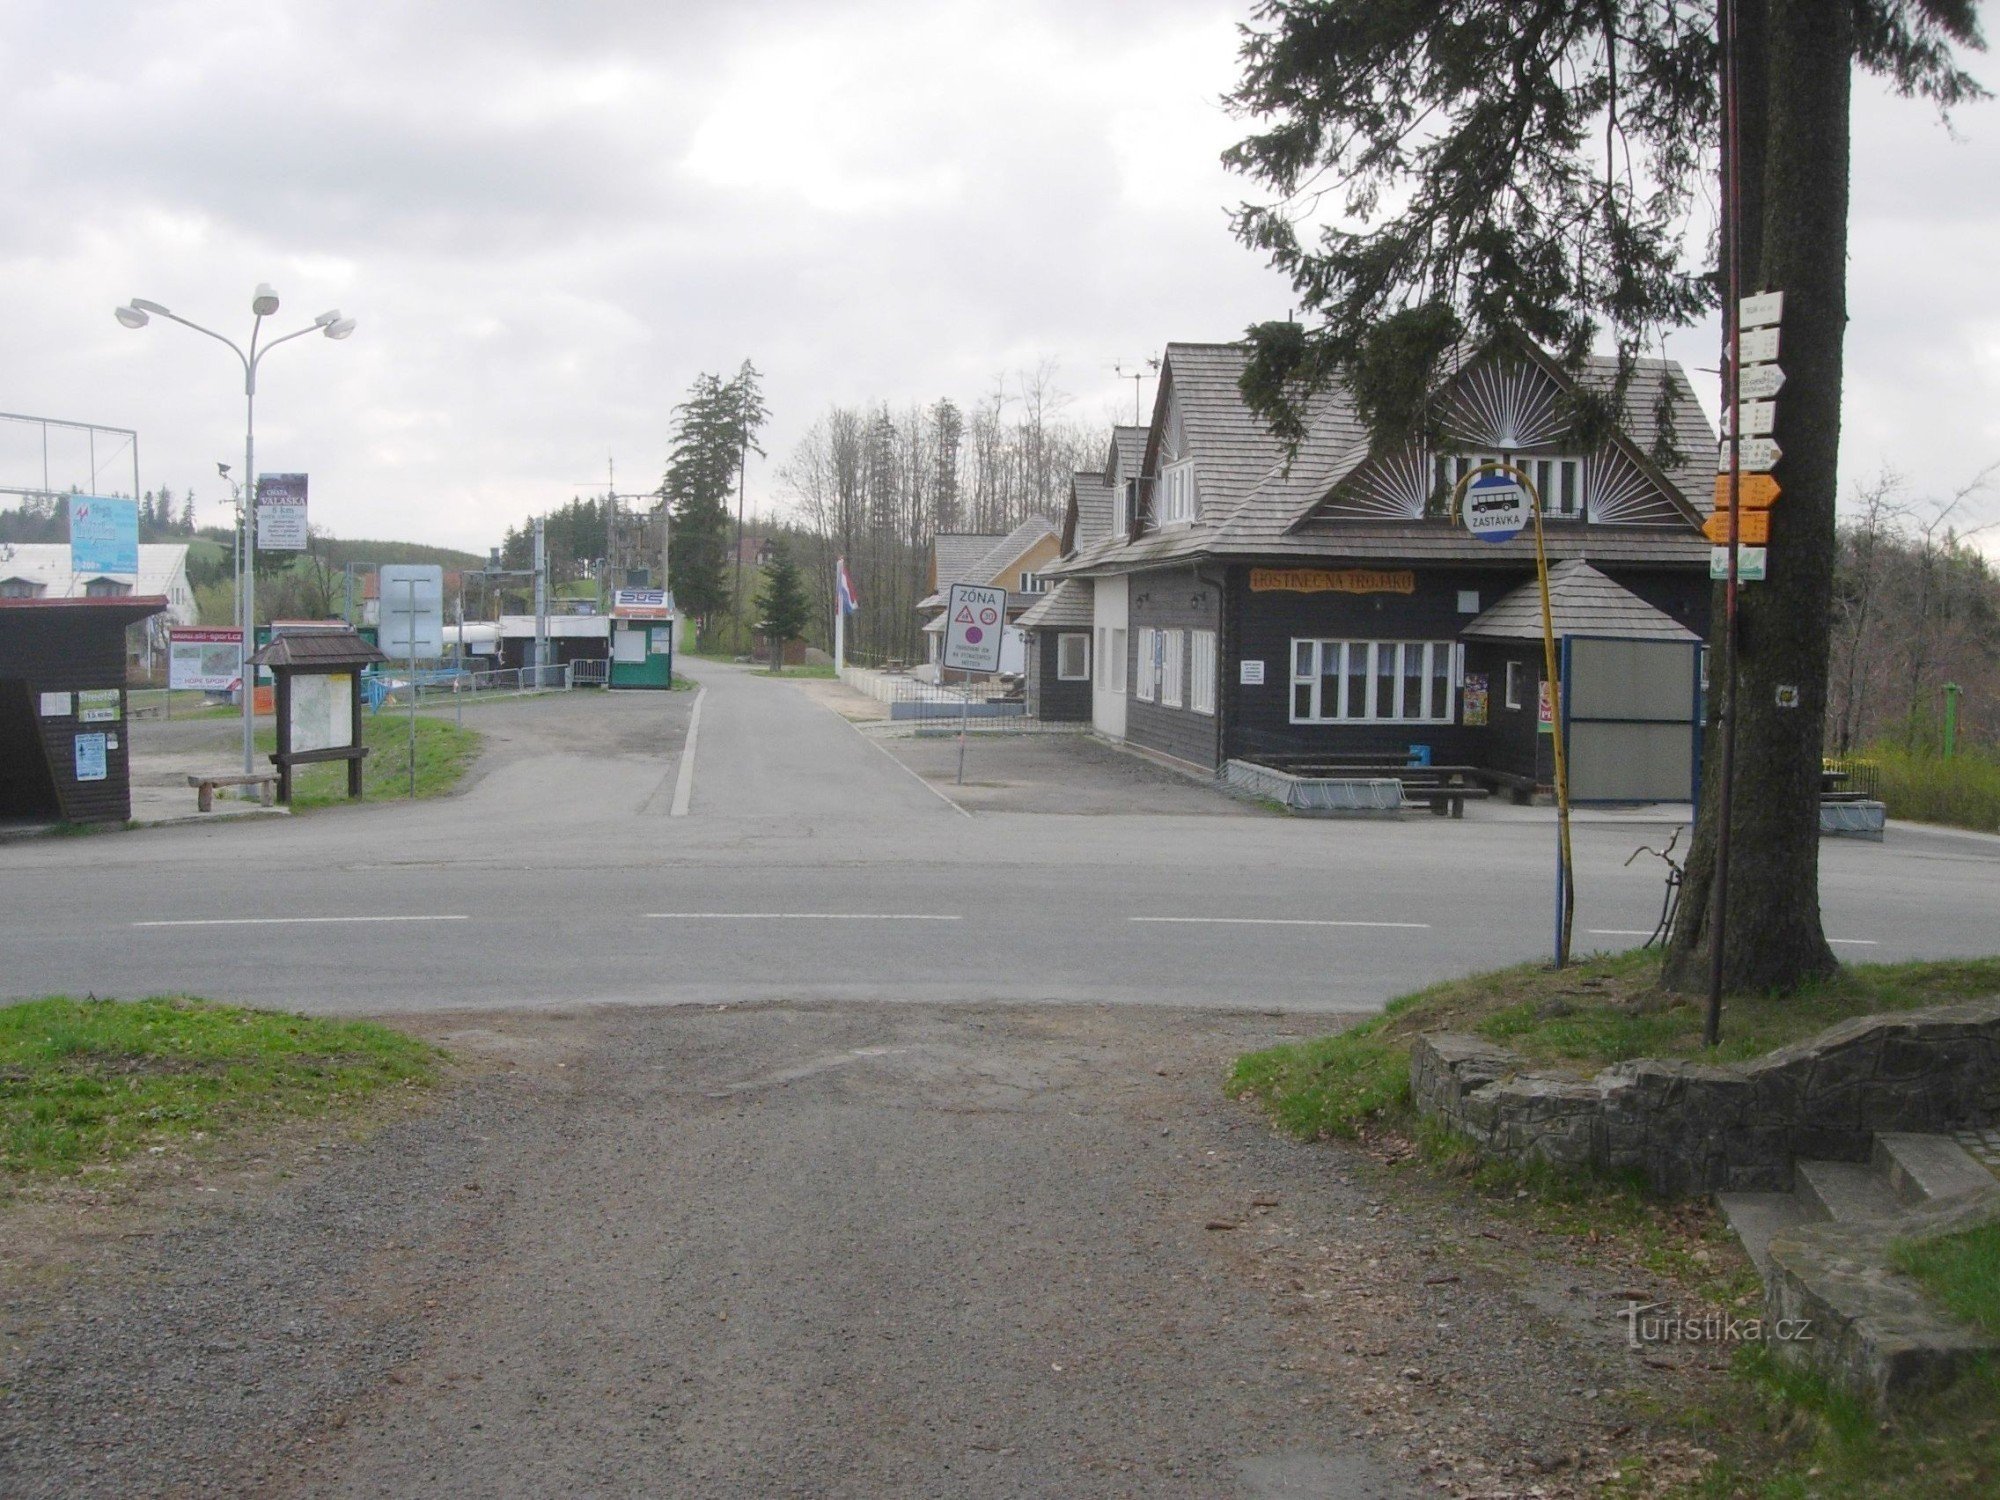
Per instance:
{"type": "Point", "coordinates": [1824, 1251]}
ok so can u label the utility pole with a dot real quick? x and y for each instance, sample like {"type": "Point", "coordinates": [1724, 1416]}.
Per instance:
{"type": "Point", "coordinates": [541, 601]}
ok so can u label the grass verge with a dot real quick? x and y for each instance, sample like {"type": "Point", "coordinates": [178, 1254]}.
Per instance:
{"type": "Point", "coordinates": [85, 1083]}
{"type": "Point", "coordinates": [1960, 1271]}
{"type": "Point", "coordinates": [1597, 1012]}
{"type": "Point", "coordinates": [809, 669]}
{"type": "Point", "coordinates": [445, 752]}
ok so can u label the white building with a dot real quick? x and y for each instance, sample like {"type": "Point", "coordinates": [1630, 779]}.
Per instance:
{"type": "Point", "coordinates": [41, 570]}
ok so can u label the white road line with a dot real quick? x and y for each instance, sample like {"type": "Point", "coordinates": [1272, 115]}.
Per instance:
{"type": "Point", "coordinates": [1618, 932]}
{"type": "Point", "coordinates": [801, 916]}
{"type": "Point", "coordinates": [684, 781]}
{"type": "Point", "coordinates": [1277, 922]}
{"type": "Point", "coordinates": [291, 921]}
{"type": "Point", "coordinates": [1856, 942]}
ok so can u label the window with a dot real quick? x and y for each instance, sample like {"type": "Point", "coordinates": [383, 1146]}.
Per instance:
{"type": "Point", "coordinates": [1201, 672]}
{"type": "Point", "coordinates": [20, 588]}
{"type": "Point", "coordinates": [1114, 664]}
{"type": "Point", "coordinates": [1073, 657]}
{"type": "Point", "coordinates": [1033, 583]}
{"type": "Point", "coordinates": [1121, 509]}
{"type": "Point", "coordinates": [1148, 681]}
{"type": "Point", "coordinates": [1373, 682]}
{"type": "Point", "coordinates": [105, 588]}
{"type": "Point", "coordinates": [1559, 480]}
{"type": "Point", "coordinates": [1177, 498]}
{"type": "Point", "coordinates": [1513, 698]}
{"type": "Point", "coordinates": [1173, 668]}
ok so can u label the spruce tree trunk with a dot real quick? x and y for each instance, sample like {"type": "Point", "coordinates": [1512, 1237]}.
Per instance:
{"type": "Point", "coordinates": [1775, 942]}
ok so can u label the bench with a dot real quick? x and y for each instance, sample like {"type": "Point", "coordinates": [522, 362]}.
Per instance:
{"type": "Point", "coordinates": [1443, 799]}
{"type": "Point", "coordinates": [205, 786]}
{"type": "Point", "coordinates": [1444, 789]}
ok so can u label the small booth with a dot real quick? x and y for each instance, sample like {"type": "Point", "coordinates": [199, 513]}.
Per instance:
{"type": "Point", "coordinates": [64, 747]}
{"type": "Point", "coordinates": [317, 670]}
{"type": "Point", "coordinates": [642, 638]}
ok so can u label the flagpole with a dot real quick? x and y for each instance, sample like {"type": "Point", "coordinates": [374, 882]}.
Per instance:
{"type": "Point", "coordinates": [839, 620]}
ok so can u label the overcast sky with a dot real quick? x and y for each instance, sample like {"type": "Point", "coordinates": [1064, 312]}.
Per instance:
{"type": "Point", "coordinates": [549, 219]}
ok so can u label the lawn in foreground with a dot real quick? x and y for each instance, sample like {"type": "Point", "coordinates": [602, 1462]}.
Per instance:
{"type": "Point", "coordinates": [85, 1083]}
{"type": "Point", "coordinates": [445, 752]}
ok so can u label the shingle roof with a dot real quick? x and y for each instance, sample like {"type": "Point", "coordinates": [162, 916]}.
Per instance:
{"type": "Point", "coordinates": [336, 646]}
{"type": "Point", "coordinates": [958, 554]}
{"type": "Point", "coordinates": [1091, 498]}
{"type": "Point", "coordinates": [1067, 606]}
{"type": "Point", "coordinates": [1257, 502]}
{"type": "Point", "coordinates": [1007, 548]}
{"type": "Point", "coordinates": [1131, 445]}
{"type": "Point", "coordinates": [1582, 601]}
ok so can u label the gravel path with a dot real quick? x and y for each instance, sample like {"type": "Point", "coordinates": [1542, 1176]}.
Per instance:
{"type": "Point", "coordinates": [850, 1250]}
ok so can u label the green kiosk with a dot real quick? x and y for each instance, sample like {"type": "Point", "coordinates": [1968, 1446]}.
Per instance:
{"type": "Point", "coordinates": [642, 638]}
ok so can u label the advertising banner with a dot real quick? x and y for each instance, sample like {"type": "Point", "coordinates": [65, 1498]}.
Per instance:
{"type": "Point", "coordinates": [208, 661]}
{"type": "Point", "coordinates": [281, 513]}
{"type": "Point", "coordinates": [103, 535]}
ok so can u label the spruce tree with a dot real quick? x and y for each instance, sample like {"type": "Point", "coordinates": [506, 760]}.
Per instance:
{"type": "Point", "coordinates": [782, 602]}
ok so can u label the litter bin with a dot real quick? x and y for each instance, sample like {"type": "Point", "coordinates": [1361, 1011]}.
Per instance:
{"type": "Point", "coordinates": [1420, 755]}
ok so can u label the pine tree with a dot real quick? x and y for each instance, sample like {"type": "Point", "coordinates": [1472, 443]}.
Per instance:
{"type": "Point", "coordinates": [782, 601]}
{"type": "Point", "coordinates": [699, 476]}
{"type": "Point", "coordinates": [1531, 170]}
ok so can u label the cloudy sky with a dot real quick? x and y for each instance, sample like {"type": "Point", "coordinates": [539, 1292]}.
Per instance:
{"type": "Point", "coordinates": [548, 219]}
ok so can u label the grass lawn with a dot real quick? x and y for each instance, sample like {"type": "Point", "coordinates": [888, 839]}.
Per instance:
{"type": "Point", "coordinates": [809, 669]}
{"type": "Point", "coordinates": [1961, 1272]}
{"type": "Point", "coordinates": [84, 1083]}
{"type": "Point", "coordinates": [1600, 1011]}
{"type": "Point", "coordinates": [445, 752]}
{"type": "Point", "coordinates": [1963, 791]}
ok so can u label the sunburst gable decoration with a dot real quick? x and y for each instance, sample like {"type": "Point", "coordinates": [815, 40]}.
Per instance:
{"type": "Point", "coordinates": [1503, 405]}
{"type": "Point", "coordinates": [1393, 486]}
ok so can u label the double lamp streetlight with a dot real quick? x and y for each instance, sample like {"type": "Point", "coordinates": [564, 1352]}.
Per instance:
{"type": "Point", "coordinates": [137, 314]}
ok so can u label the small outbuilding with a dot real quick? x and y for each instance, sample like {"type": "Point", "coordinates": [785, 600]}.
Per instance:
{"type": "Point", "coordinates": [642, 638]}
{"type": "Point", "coordinates": [64, 746]}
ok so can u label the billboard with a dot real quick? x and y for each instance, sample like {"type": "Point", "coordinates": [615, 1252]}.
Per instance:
{"type": "Point", "coordinates": [208, 661]}
{"type": "Point", "coordinates": [103, 535]}
{"type": "Point", "coordinates": [281, 513]}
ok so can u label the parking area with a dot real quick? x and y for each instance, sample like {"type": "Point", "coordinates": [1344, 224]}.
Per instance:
{"type": "Point", "coordinates": [1059, 773]}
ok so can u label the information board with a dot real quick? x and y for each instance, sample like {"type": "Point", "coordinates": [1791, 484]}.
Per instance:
{"type": "Point", "coordinates": [322, 711]}
{"type": "Point", "coordinates": [91, 762]}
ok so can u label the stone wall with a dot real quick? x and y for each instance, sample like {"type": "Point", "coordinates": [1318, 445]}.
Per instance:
{"type": "Point", "coordinates": [1698, 1128]}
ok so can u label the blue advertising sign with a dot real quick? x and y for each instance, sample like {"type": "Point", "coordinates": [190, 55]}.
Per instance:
{"type": "Point", "coordinates": [103, 535]}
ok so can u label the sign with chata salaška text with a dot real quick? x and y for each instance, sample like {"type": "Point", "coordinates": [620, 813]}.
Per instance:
{"type": "Point", "coordinates": [975, 619]}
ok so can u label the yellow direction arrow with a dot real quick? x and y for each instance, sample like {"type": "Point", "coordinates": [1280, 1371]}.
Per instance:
{"type": "Point", "coordinates": [1753, 528]}
{"type": "Point", "coordinates": [1759, 491]}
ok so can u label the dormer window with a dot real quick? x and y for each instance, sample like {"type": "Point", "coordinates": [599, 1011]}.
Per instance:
{"type": "Point", "coordinates": [1033, 583]}
{"type": "Point", "coordinates": [21, 588]}
{"type": "Point", "coordinates": [1177, 493]}
{"type": "Point", "coordinates": [106, 588]}
{"type": "Point", "coordinates": [1557, 478]}
{"type": "Point", "coordinates": [1121, 508]}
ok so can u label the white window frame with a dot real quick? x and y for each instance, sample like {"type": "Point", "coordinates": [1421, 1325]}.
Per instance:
{"type": "Point", "coordinates": [1558, 478]}
{"type": "Point", "coordinates": [1511, 696]}
{"type": "Point", "coordinates": [1178, 505]}
{"type": "Point", "coordinates": [1146, 680]}
{"type": "Point", "coordinates": [1308, 657]}
{"type": "Point", "coordinates": [1033, 583]}
{"type": "Point", "coordinates": [1080, 641]}
{"type": "Point", "coordinates": [1201, 671]}
{"type": "Point", "coordinates": [1173, 668]}
{"type": "Point", "coordinates": [1114, 663]}
{"type": "Point", "coordinates": [1121, 508]}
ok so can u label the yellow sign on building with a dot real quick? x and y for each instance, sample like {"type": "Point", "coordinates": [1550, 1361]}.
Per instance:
{"type": "Point", "coordinates": [1333, 581]}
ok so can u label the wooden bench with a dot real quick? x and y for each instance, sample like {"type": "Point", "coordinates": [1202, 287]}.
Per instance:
{"type": "Point", "coordinates": [1444, 789]}
{"type": "Point", "coordinates": [205, 786]}
{"type": "Point", "coordinates": [1443, 799]}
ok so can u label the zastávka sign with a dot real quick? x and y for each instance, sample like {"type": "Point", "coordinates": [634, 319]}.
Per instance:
{"type": "Point", "coordinates": [203, 659]}
{"type": "Point", "coordinates": [281, 513]}
{"type": "Point", "coordinates": [1497, 507]}
{"type": "Point", "coordinates": [975, 620]}
{"type": "Point", "coordinates": [103, 535]}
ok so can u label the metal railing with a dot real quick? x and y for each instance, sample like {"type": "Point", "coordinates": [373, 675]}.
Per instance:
{"type": "Point", "coordinates": [387, 687]}
{"type": "Point", "coordinates": [910, 697]}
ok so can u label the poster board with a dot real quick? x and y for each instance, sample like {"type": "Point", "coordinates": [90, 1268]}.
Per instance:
{"type": "Point", "coordinates": [205, 660]}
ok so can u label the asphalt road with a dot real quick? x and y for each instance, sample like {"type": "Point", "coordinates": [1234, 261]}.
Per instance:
{"type": "Point", "coordinates": [807, 863]}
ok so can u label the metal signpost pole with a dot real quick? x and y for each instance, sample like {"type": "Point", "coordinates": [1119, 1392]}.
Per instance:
{"type": "Point", "coordinates": [412, 626]}
{"type": "Point", "coordinates": [541, 602]}
{"type": "Point", "coordinates": [459, 674]}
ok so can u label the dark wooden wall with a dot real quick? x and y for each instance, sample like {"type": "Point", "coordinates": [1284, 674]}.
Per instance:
{"type": "Point", "coordinates": [1174, 599]}
{"type": "Point", "coordinates": [1049, 697]}
{"type": "Point", "coordinates": [67, 651]}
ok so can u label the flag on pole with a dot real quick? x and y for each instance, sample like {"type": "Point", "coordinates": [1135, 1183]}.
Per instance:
{"type": "Point", "coordinates": [844, 587]}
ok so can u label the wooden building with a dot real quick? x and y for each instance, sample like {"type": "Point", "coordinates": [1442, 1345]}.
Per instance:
{"type": "Point", "coordinates": [1250, 605]}
{"type": "Point", "coordinates": [64, 741]}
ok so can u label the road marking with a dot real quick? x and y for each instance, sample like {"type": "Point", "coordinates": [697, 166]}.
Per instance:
{"type": "Point", "coordinates": [291, 921]}
{"type": "Point", "coordinates": [801, 916]}
{"type": "Point", "coordinates": [1856, 942]}
{"type": "Point", "coordinates": [684, 781]}
{"type": "Point", "coordinates": [1618, 932]}
{"type": "Point", "coordinates": [1277, 922]}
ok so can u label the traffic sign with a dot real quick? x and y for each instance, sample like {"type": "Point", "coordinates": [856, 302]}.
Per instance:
{"type": "Point", "coordinates": [1497, 507]}
{"type": "Point", "coordinates": [1759, 345]}
{"type": "Point", "coordinates": [412, 605]}
{"type": "Point", "coordinates": [1759, 382]}
{"type": "Point", "coordinates": [975, 621]}
{"type": "Point", "coordinates": [1749, 564]}
{"type": "Point", "coordinates": [1758, 455]}
{"type": "Point", "coordinates": [1763, 311]}
{"type": "Point", "coordinates": [1758, 491]}
{"type": "Point", "coordinates": [1753, 527]}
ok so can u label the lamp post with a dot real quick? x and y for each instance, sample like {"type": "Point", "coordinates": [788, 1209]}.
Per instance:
{"type": "Point", "coordinates": [263, 303]}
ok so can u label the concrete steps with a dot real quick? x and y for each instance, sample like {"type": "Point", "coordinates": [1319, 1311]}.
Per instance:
{"type": "Point", "coordinates": [1823, 1250]}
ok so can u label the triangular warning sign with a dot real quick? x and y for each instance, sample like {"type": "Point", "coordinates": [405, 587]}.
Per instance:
{"type": "Point", "coordinates": [964, 615]}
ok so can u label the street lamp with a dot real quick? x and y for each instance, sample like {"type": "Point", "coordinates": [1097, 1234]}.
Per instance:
{"type": "Point", "coordinates": [263, 303]}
